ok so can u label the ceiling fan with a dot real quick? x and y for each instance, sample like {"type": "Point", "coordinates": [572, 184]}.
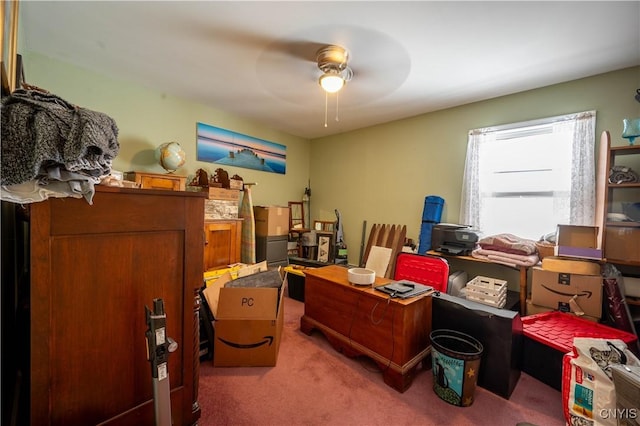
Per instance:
{"type": "Point", "coordinates": [333, 62]}
{"type": "Point", "coordinates": [290, 68]}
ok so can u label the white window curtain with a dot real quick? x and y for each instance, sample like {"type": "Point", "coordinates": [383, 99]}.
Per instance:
{"type": "Point", "coordinates": [582, 198]}
{"type": "Point", "coordinates": [470, 199]}
{"type": "Point", "coordinates": [583, 171]}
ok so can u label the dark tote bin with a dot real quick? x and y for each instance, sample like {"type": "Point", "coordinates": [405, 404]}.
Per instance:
{"type": "Point", "coordinates": [295, 283]}
{"type": "Point", "coordinates": [499, 331]}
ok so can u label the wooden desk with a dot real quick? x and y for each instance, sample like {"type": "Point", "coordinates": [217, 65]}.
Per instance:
{"type": "Point", "coordinates": [522, 270]}
{"type": "Point", "coordinates": [362, 321]}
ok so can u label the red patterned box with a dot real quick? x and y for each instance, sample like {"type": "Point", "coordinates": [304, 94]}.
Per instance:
{"type": "Point", "coordinates": [549, 335]}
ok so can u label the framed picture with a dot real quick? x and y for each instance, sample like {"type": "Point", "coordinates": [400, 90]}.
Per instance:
{"type": "Point", "coordinates": [229, 148]}
{"type": "Point", "coordinates": [324, 225]}
{"type": "Point", "coordinates": [324, 248]}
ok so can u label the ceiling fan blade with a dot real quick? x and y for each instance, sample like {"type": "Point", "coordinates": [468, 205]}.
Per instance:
{"type": "Point", "coordinates": [305, 50]}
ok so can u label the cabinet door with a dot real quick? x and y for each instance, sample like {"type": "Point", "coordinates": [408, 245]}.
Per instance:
{"type": "Point", "coordinates": [222, 243]}
{"type": "Point", "coordinates": [93, 271]}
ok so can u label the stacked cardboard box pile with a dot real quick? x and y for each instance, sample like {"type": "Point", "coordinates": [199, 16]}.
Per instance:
{"type": "Point", "coordinates": [272, 234]}
{"type": "Point", "coordinates": [570, 281]}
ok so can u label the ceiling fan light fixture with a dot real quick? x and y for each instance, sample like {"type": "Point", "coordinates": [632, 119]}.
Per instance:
{"type": "Point", "coordinates": [333, 62]}
{"type": "Point", "coordinates": [331, 82]}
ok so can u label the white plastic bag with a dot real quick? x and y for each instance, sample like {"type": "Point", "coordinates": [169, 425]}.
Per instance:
{"type": "Point", "coordinates": [588, 392]}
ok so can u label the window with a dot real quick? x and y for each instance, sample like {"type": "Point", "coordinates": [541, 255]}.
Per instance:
{"type": "Point", "coordinates": [526, 178]}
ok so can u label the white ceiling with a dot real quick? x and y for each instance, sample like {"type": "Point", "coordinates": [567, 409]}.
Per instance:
{"type": "Point", "coordinates": [257, 59]}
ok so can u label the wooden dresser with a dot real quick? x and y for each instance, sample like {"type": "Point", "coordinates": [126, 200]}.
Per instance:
{"type": "Point", "coordinates": [93, 269]}
{"type": "Point", "coordinates": [359, 320]}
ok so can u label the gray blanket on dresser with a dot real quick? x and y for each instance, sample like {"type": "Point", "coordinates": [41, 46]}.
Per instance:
{"type": "Point", "coordinates": [41, 130]}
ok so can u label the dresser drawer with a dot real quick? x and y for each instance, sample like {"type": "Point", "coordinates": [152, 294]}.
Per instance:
{"type": "Point", "coordinates": [167, 181]}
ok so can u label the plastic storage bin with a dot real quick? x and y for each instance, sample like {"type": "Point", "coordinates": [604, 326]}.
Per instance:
{"type": "Point", "coordinates": [549, 335]}
{"type": "Point", "coordinates": [295, 283]}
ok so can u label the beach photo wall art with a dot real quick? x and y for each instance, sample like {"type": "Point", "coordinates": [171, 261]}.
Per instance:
{"type": "Point", "coordinates": [229, 148]}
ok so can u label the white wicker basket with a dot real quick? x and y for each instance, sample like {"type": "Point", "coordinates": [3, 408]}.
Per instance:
{"type": "Point", "coordinates": [486, 290]}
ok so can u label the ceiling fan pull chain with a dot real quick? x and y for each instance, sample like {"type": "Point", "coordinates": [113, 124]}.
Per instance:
{"type": "Point", "coordinates": [337, 94]}
{"type": "Point", "coordinates": [326, 102]}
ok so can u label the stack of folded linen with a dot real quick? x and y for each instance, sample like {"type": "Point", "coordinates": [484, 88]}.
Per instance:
{"type": "Point", "coordinates": [507, 249]}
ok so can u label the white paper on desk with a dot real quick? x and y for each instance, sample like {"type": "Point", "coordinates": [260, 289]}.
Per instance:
{"type": "Point", "coordinates": [378, 260]}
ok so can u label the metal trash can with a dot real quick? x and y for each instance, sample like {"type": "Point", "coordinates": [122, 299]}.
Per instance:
{"type": "Point", "coordinates": [455, 358]}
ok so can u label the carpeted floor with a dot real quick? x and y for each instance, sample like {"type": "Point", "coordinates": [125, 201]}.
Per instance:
{"type": "Point", "coordinates": [313, 384]}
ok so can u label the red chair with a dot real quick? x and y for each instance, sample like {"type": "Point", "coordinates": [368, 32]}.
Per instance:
{"type": "Point", "coordinates": [423, 269]}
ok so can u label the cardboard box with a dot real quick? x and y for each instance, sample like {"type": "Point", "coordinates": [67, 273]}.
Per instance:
{"type": "Point", "coordinates": [213, 274]}
{"type": "Point", "coordinates": [557, 289]}
{"type": "Point", "coordinates": [577, 241]}
{"type": "Point", "coordinates": [577, 236]}
{"type": "Point", "coordinates": [535, 309]}
{"type": "Point", "coordinates": [271, 221]}
{"type": "Point", "coordinates": [248, 321]}
{"type": "Point", "coordinates": [578, 252]}
{"type": "Point", "coordinates": [573, 266]}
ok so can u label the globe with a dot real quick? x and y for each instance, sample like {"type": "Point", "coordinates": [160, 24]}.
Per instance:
{"type": "Point", "coordinates": [170, 156]}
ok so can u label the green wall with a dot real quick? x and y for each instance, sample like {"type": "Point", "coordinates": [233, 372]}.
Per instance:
{"type": "Point", "coordinates": [379, 174]}
{"type": "Point", "coordinates": [148, 118]}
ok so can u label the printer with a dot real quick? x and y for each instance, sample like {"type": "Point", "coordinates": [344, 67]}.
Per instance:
{"type": "Point", "coordinates": [453, 239]}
